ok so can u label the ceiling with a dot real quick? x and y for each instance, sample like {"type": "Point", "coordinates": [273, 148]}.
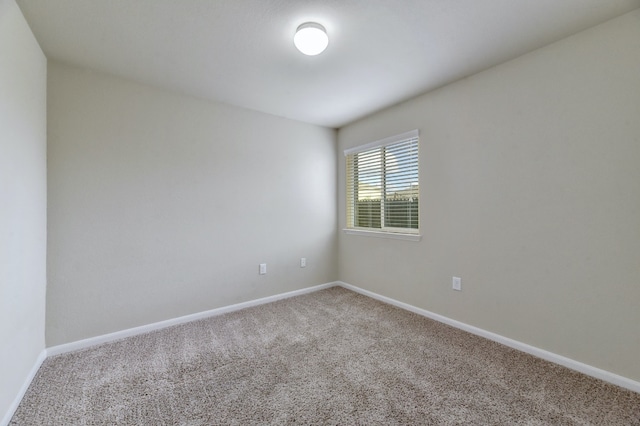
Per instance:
{"type": "Point", "coordinates": [241, 52]}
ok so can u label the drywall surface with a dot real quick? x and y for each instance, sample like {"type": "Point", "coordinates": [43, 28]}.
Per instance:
{"type": "Point", "coordinates": [530, 192]}
{"type": "Point", "coordinates": [23, 202]}
{"type": "Point", "coordinates": [162, 205]}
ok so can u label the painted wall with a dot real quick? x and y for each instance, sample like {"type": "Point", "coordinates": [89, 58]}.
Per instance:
{"type": "Point", "coordinates": [162, 205]}
{"type": "Point", "coordinates": [23, 202]}
{"type": "Point", "coordinates": [530, 192]}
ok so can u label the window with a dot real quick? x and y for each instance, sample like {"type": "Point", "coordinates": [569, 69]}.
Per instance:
{"type": "Point", "coordinates": [382, 185]}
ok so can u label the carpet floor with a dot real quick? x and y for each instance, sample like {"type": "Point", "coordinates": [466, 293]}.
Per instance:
{"type": "Point", "coordinates": [329, 357]}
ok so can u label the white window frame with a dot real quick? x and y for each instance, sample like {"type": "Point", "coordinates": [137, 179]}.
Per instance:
{"type": "Point", "coordinates": [412, 234]}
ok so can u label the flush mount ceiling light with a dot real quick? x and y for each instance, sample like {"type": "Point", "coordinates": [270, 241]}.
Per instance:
{"type": "Point", "coordinates": [311, 38]}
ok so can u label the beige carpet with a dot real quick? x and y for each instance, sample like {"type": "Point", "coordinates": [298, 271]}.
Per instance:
{"type": "Point", "coordinates": [330, 357]}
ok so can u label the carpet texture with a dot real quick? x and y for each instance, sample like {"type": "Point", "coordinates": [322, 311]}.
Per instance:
{"type": "Point", "coordinates": [330, 357]}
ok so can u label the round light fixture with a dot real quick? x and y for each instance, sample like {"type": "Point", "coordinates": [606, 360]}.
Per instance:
{"type": "Point", "coordinates": [311, 38]}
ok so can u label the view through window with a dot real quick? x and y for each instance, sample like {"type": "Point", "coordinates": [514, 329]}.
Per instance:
{"type": "Point", "coordinates": [382, 185]}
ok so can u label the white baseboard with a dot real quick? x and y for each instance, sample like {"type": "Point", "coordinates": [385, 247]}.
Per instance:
{"type": "Point", "coordinates": [540, 353]}
{"type": "Point", "coordinates": [93, 341]}
{"type": "Point", "coordinates": [16, 401]}
{"type": "Point", "coordinates": [532, 350]}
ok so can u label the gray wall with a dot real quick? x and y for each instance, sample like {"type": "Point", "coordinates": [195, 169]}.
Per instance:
{"type": "Point", "coordinates": [161, 205]}
{"type": "Point", "coordinates": [23, 202]}
{"type": "Point", "coordinates": [530, 192]}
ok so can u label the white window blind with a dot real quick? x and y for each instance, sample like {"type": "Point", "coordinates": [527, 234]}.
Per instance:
{"type": "Point", "coordinates": [382, 185]}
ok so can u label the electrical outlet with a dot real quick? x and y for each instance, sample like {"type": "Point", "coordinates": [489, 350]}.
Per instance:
{"type": "Point", "coordinates": [303, 262]}
{"type": "Point", "coordinates": [263, 268]}
{"type": "Point", "coordinates": [457, 283]}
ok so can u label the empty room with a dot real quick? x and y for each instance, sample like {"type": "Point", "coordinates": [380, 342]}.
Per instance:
{"type": "Point", "coordinates": [319, 212]}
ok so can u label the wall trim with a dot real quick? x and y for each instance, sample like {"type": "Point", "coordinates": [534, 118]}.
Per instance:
{"type": "Point", "coordinates": [23, 389]}
{"type": "Point", "coordinates": [515, 344]}
{"type": "Point", "coordinates": [110, 337]}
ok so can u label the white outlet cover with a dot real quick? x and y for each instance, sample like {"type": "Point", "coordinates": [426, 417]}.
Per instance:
{"type": "Point", "coordinates": [303, 262]}
{"type": "Point", "coordinates": [263, 268]}
{"type": "Point", "coordinates": [457, 283]}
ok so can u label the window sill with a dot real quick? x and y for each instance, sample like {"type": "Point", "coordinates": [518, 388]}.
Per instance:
{"type": "Point", "coordinates": [380, 234]}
